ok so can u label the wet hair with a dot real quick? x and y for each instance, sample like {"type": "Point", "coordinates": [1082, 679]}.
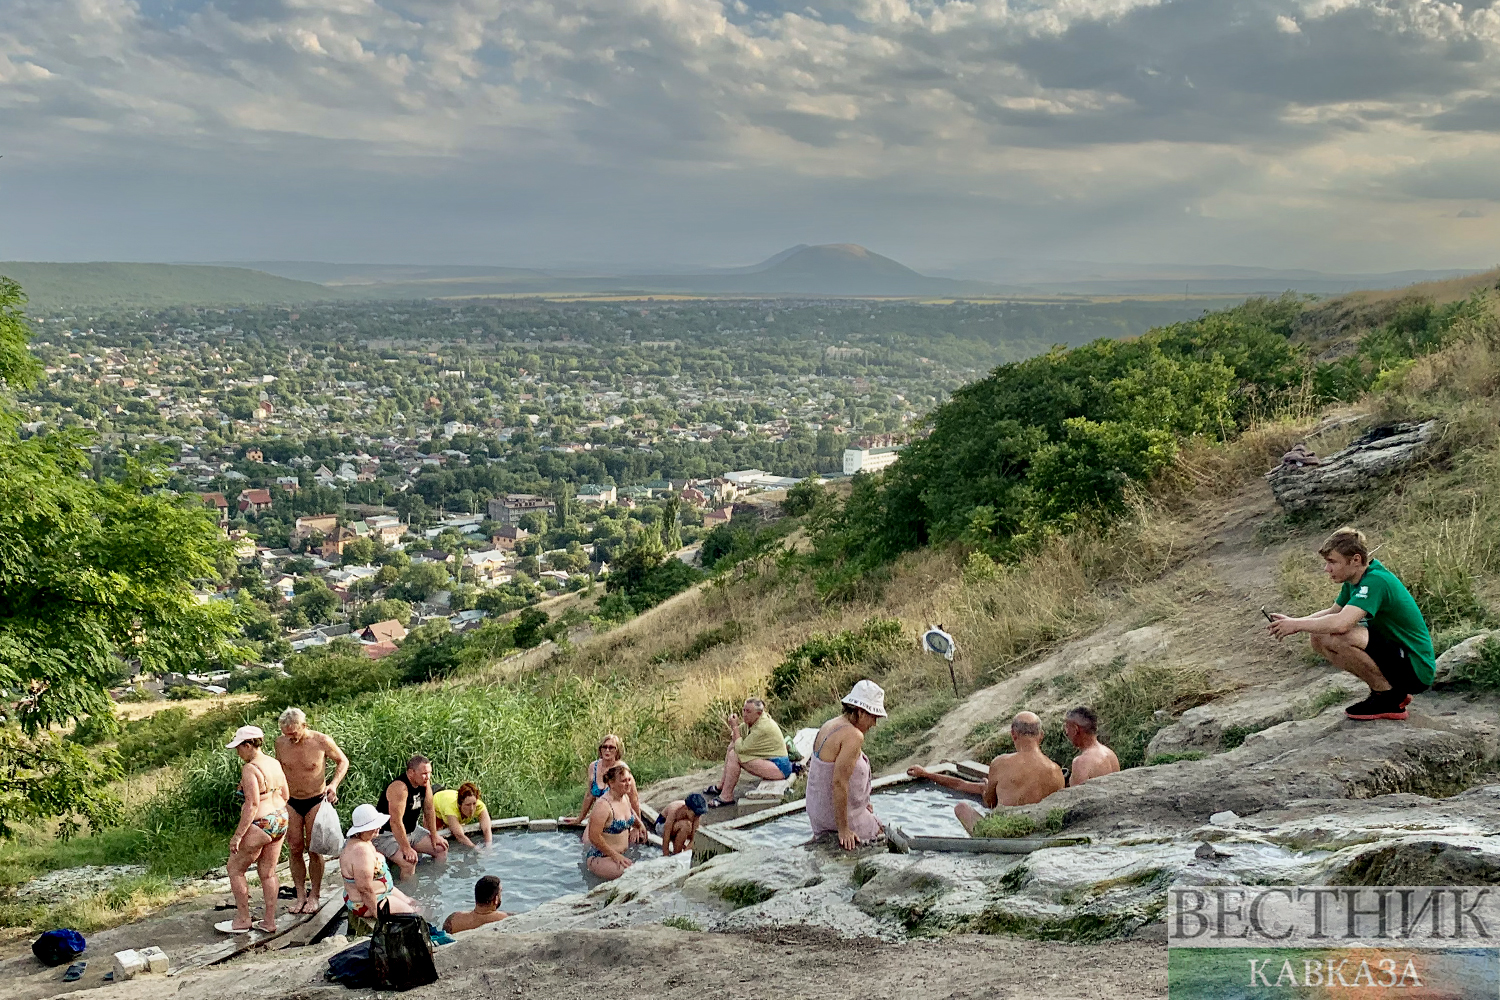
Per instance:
{"type": "Point", "coordinates": [466, 789]}
{"type": "Point", "coordinates": [1084, 718]}
{"type": "Point", "coordinates": [696, 803]}
{"type": "Point", "coordinates": [416, 760]}
{"type": "Point", "coordinates": [1347, 542]}
{"type": "Point", "coordinates": [614, 772]}
{"type": "Point", "coordinates": [1023, 727]}
{"type": "Point", "coordinates": [487, 891]}
{"type": "Point", "coordinates": [292, 717]}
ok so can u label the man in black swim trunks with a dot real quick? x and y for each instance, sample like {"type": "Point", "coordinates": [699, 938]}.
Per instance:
{"type": "Point", "coordinates": [304, 754]}
{"type": "Point", "coordinates": [409, 832]}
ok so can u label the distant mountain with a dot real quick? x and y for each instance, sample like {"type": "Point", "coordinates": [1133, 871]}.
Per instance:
{"type": "Point", "coordinates": [834, 269]}
{"type": "Point", "coordinates": [113, 283]}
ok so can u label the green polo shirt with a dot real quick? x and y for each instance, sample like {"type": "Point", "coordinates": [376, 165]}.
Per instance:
{"type": "Point", "coordinates": [763, 740]}
{"type": "Point", "coordinates": [1390, 609]}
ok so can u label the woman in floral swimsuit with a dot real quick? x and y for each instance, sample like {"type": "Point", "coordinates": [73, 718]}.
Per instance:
{"type": "Point", "coordinates": [262, 829]}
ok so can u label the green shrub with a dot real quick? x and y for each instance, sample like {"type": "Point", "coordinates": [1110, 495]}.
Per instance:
{"type": "Point", "coordinates": [1486, 672]}
{"type": "Point", "coordinates": [1173, 758]}
{"type": "Point", "coordinates": [325, 674]}
{"type": "Point", "coordinates": [1013, 825]}
{"type": "Point", "coordinates": [172, 734]}
{"type": "Point", "coordinates": [92, 730]}
{"type": "Point", "coordinates": [828, 661]}
{"type": "Point", "coordinates": [187, 692]}
{"type": "Point", "coordinates": [903, 733]}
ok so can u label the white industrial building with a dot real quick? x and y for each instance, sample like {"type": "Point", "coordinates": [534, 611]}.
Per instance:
{"type": "Point", "coordinates": [868, 459]}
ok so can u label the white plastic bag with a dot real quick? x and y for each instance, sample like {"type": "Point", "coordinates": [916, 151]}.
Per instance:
{"type": "Point", "coordinates": [326, 838]}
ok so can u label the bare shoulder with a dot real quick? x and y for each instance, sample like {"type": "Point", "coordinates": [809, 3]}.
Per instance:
{"type": "Point", "coordinates": [325, 741]}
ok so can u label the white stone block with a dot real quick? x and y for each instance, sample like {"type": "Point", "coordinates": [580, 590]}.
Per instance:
{"type": "Point", "coordinates": [128, 964]}
{"type": "Point", "coordinates": [156, 959]}
{"type": "Point", "coordinates": [543, 825]}
{"type": "Point", "coordinates": [1225, 818]}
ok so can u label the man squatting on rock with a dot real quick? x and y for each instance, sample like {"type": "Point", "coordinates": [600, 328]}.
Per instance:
{"type": "Point", "coordinates": [1374, 630]}
{"type": "Point", "coordinates": [304, 754]}
{"type": "Point", "coordinates": [407, 800]}
{"type": "Point", "coordinates": [1016, 779]}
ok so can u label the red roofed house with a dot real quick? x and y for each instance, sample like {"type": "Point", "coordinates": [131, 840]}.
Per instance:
{"type": "Point", "coordinates": [714, 518]}
{"type": "Point", "coordinates": [218, 502]}
{"type": "Point", "coordinates": [254, 501]}
{"type": "Point", "coordinates": [379, 650]}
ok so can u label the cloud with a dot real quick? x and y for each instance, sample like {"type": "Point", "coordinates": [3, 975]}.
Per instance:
{"type": "Point", "coordinates": [1056, 122]}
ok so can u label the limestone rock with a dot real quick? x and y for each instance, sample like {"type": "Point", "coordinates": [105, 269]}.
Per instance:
{"type": "Point", "coordinates": [1457, 663]}
{"type": "Point", "coordinates": [1420, 861]}
{"type": "Point", "coordinates": [1204, 728]}
{"type": "Point", "coordinates": [1371, 458]}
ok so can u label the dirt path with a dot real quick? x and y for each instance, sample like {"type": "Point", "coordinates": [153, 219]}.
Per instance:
{"type": "Point", "coordinates": [685, 966]}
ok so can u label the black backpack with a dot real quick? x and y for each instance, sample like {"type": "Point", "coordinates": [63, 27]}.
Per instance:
{"type": "Point", "coordinates": [57, 947]}
{"type": "Point", "coordinates": [351, 967]}
{"type": "Point", "coordinates": [401, 950]}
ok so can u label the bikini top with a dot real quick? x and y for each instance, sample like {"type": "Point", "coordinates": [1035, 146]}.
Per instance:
{"type": "Point", "coordinates": [594, 788]}
{"type": "Point", "coordinates": [617, 825]}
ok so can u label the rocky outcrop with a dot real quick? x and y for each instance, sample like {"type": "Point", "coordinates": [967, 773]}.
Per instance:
{"type": "Point", "coordinates": [1228, 722]}
{"type": "Point", "coordinates": [1458, 663]}
{"type": "Point", "coordinates": [1371, 459]}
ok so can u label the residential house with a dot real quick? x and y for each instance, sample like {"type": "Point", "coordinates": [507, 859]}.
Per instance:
{"type": "Point", "coordinates": [386, 631]}
{"type": "Point", "coordinates": [488, 567]}
{"type": "Point", "coordinates": [254, 455]}
{"type": "Point", "coordinates": [220, 504]}
{"type": "Point", "coordinates": [510, 508]}
{"type": "Point", "coordinates": [713, 518]}
{"type": "Point", "coordinates": [315, 524]}
{"type": "Point", "coordinates": [254, 501]}
{"type": "Point", "coordinates": [594, 494]}
{"type": "Point", "coordinates": [289, 483]}
{"type": "Point", "coordinates": [693, 495]}
{"type": "Point", "coordinates": [263, 410]}
{"type": "Point", "coordinates": [507, 536]}
{"type": "Point", "coordinates": [378, 650]}
{"type": "Point", "coordinates": [335, 540]}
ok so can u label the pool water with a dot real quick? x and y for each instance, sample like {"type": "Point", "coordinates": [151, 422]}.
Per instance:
{"type": "Point", "coordinates": [920, 808]}
{"type": "Point", "coordinates": [533, 868]}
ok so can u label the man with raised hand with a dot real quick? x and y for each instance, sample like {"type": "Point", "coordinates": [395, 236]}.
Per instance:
{"type": "Point", "coordinates": [1022, 778]}
{"type": "Point", "coordinates": [1374, 630]}
{"type": "Point", "coordinates": [304, 755]}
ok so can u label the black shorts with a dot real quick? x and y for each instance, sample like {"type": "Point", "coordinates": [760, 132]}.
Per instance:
{"type": "Point", "coordinates": [1394, 661]}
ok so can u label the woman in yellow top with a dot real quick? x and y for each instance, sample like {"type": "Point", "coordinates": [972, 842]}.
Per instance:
{"type": "Point", "coordinates": [457, 806]}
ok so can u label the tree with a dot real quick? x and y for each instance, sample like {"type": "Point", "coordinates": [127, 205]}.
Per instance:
{"type": "Point", "coordinates": [358, 552]}
{"type": "Point", "coordinates": [530, 627]}
{"type": "Point", "coordinates": [420, 581]}
{"type": "Point", "coordinates": [90, 571]}
{"type": "Point", "coordinates": [383, 611]}
{"type": "Point", "coordinates": [671, 536]}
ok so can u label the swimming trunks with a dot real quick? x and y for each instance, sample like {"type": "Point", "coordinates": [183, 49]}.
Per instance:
{"type": "Point", "coordinates": [273, 823]}
{"type": "Point", "coordinates": [305, 806]}
{"type": "Point", "coordinates": [783, 764]}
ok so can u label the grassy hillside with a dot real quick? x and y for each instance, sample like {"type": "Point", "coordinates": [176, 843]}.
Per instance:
{"type": "Point", "coordinates": [1158, 518]}
{"type": "Point", "coordinates": [50, 285]}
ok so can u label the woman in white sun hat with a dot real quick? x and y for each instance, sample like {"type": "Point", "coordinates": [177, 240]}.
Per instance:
{"type": "Point", "coordinates": [838, 775]}
{"type": "Point", "coordinates": [367, 876]}
{"type": "Point", "coordinates": [256, 841]}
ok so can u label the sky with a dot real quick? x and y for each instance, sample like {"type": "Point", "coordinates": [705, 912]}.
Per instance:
{"type": "Point", "coordinates": [1337, 135]}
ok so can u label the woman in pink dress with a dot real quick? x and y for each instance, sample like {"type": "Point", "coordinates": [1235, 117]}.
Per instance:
{"type": "Point", "coordinates": [838, 775]}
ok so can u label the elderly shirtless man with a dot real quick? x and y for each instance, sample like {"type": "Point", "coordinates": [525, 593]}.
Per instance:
{"type": "Point", "coordinates": [1015, 779]}
{"type": "Point", "coordinates": [1081, 726]}
{"type": "Point", "coordinates": [304, 755]}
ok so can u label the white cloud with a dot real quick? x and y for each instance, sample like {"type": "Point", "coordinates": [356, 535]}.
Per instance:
{"type": "Point", "coordinates": [1002, 106]}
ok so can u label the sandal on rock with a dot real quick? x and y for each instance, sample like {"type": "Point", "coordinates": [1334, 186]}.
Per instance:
{"type": "Point", "coordinates": [712, 790]}
{"type": "Point", "coordinates": [75, 972]}
{"type": "Point", "coordinates": [260, 925]}
{"type": "Point", "coordinates": [718, 803]}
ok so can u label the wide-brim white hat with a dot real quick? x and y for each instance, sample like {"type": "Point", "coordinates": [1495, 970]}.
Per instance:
{"type": "Point", "coordinates": [366, 818]}
{"type": "Point", "coordinates": [867, 695]}
{"type": "Point", "coordinates": [245, 733]}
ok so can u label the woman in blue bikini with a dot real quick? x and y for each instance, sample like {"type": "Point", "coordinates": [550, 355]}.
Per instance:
{"type": "Point", "coordinates": [611, 821]}
{"type": "Point", "coordinates": [611, 752]}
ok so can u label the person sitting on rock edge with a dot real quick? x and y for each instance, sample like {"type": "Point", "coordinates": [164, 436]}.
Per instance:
{"type": "Point", "coordinates": [486, 908]}
{"type": "Point", "coordinates": [761, 751]}
{"type": "Point", "coordinates": [456, 806]}
{"type": "Point", "coordinates": [1374, 630]}
{"type": "Point", "coordinates": [838, 772]}
{"type": "Point", "coordinates": [610, 822]}
{"type": "Point", "coordinates": [1022, 778]}
{"type": "Point", "coordinates": [678, 821]}
{"type": "Point", "coordinates": [1081, 726]}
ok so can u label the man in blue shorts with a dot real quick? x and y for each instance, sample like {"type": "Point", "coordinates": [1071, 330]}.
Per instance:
{"type": "Point", "coordinates": [1374, 631]}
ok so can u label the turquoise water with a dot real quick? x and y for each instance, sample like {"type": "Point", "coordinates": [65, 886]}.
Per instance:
{"type": "Point", "coordinates": [533, 868]}
{"type": "Point", "coordinates": [920, 808]}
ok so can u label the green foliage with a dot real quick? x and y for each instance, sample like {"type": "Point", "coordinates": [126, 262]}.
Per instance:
{"type": "Point", "coordinates": [429, 653]}
{"type": "Point", "coordinates": [802, 498]}
{"type": "Point", "coordinates": [524, 745]}
{"type": "Point", "coordinates": [383, 611]}
{"type": "Point", "coordinates": [1417, 327]}
{"type": "Point", "coordinates": [173, 733]}
{"type": "Point", "coordinates": [419, 581]}
{"type": "Point", "coordinates": [531, 628]}
{"type": "Point", "coordinates": [1041, 443]}
{"type": "Point", "coordinates": [682, 923]}
{"type": "Point", "coordinates": [1172, 758]}
{"type": "Point", "coordinates": [1485, 673]}
{"type": "Point", "coordinates": [323, 674]}
{"type": "Point", "coordinates": [709, 638]}
{"type": "Point", "coordinates": [823, 668]}
{"type": "Point", "coordinates": [187, 692]}
{"type": "Point", "coordinates": [903, 733]}
{"type": "Point", "coordinates": [1012, 825]}
{"type": "Point", "coordinates": [92, 730]}
{"type": "Point", "coordinates": [87, 568]}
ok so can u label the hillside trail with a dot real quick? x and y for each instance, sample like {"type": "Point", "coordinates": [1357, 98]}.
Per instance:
{"type": "Point", "coordinates": [1203, 613]}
